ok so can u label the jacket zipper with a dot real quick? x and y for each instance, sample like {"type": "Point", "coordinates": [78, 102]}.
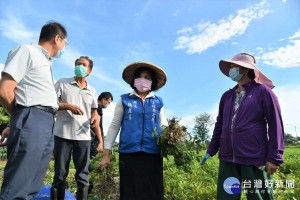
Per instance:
{"type": "Point", "coordinates": [231, 131]}
{"type": "Point", "coordinates": [143, 125]}
{"type": "Point", "coordinates": [238, 111]}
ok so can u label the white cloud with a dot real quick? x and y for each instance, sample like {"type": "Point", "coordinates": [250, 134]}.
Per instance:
{"type": "Point", "coordinates": [72, 54]}
{"type": "Point", "coordinates": [283, 57]}
{"type": "Point", "coordinates": [288, 97]}
{"type": "Point", "coordinates": [185, 30]}
{"type": "Point", "coordinates": [17, 31]}
{"type": "Point", "coordinates": [1, 67]}
{"type": "Point", "coordinates": [175, 14]}
{"type": "Point", "coordinates": [69, 57]}
{"type": "Point", "coordinates": [107, 79]}
{"type": "Point", "coordinates": [296, 35]}
{"type": "Point", "coordinates": [205, 35]}
{"type": "Point", "coordinates": [283, 1]}
{"type": "Point", "coordinates": [189, 120]}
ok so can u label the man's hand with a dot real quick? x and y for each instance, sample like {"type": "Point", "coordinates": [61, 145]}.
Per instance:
{"type": "Point", "coordinates": [76, 110]}
{"type": "Point", "coordinates": [73, 108]}
{"type": "Point", "coordinates": [4, 136]}
{"type": "Point", "coordinates": [99, 147]}
{"type": "Point", "coordinates": [271, 168]}
{"type": "Point", "coordinates": [95, 120]}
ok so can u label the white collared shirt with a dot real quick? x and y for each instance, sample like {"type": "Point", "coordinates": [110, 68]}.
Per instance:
{"type": "Point", "coordinates": [31, 67]}
{"type": "Point", "coordinates": [116, 123]}
{"type": "Point", "coordinates": [68, 125]}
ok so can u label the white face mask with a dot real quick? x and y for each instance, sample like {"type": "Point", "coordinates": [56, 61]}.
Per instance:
{"type": "Point", "coordinates": [142, 84]}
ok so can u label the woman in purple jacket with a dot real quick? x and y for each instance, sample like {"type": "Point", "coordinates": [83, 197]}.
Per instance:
{"type": "Point", "coordinates": [248, 133]}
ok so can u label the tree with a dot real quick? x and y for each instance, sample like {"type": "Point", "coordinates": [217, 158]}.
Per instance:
{"type": "Point", "coordinates": [290, 140]}
{"type": "Point", "coordinates": [201, 129]}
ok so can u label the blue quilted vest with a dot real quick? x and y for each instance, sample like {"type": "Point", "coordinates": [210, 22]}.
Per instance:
{"type": "Point", "coordinates": [140, 125]}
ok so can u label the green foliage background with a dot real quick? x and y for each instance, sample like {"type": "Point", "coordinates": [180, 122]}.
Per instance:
{"type": "Point", "coordinates": [198, 183]}
{"type": "Point", "coordinates": [180, 182]}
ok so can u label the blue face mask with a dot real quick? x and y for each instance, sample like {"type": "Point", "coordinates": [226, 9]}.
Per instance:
{"type": "Point", "coordinates": [80, 71]}
{"type": "Point", "coordinates": [234, 74]}
{"type": "Point", "coordinates": [60, 53]}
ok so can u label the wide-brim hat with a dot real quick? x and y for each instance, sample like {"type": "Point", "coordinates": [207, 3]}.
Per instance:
{"type": "Point", "coordinates": [247, 61]}
{"type": "Point", "coordinates": [161, 76]}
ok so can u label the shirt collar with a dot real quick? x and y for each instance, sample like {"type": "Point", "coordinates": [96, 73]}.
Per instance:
{"type": "Point", "coordinates": [150, 94]}
{"type": "Point", "coordinates": [240, 92]}
{"type": "Point", "coordinates": [73, 81]}
{"type": "Point", "coordinates": [247, 86]}
{"type": "Point", "coordinates": [43, 50]}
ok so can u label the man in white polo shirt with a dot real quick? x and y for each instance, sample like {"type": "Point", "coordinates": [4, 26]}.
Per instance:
{"type": "Point", "coordinates": [77, 106]}
{"type": "Point", "coordinates": [27, 92]}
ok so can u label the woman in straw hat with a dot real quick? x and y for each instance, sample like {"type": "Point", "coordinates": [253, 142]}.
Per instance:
{"type": "Point", "coordinates": [139, 115]}
{"type": "Point", "coordinates": [248, 133]}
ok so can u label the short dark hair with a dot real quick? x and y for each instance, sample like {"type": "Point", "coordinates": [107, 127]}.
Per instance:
{"type": "Point", "coordinates": [105, 95]}
{"type": "Point", "coordinates": [52, 29]}
{"type": "Point", "coordinates": [137, 74]}
{"type": "Point", "coordinates": [87, 58]}
{"type": "Point", "coordinates": [251, 74]}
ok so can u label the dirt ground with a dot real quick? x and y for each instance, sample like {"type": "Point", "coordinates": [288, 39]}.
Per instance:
{"type": "Point", "coordinates": [3, 163]}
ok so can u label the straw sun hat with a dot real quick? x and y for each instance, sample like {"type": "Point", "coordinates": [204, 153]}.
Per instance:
{"type": "Point", "coordinates": [247, 61]}
{"type": "Point", "coordinates": [161, 76]}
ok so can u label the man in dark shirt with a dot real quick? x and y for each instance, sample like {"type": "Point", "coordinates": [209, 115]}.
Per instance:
{"type": "Point", "coordinates": [104, 100]}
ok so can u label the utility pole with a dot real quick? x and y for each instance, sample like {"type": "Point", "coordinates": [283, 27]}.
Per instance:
{"type": "Point", "coordinates": [295, 127]}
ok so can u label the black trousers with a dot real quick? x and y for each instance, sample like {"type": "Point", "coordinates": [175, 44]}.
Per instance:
{"type": "Point", "coordinates": [141, 176]}
{"type": "Point", "coordinates": [63, 149]}
{"type": "Point", "coordinates": [29, 150]}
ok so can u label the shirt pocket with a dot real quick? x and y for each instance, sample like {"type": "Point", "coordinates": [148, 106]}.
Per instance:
{"type": "Point", "coordinates": [87, 96]}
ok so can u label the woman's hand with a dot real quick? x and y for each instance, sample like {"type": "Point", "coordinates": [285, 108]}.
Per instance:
{"type": "Point", "coordinates": [207, 155]}
{"type": "Point", "coordinates": [105, 160]}
{"type": "Point", "coordinates": [271, 168]}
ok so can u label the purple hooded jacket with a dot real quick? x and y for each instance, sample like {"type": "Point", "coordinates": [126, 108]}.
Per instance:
{"type": "Point", "coordinates": [257, 135]}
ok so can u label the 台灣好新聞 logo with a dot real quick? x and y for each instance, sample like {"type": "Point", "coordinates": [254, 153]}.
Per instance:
{"type": "Point", "coordinates": [232, 186]}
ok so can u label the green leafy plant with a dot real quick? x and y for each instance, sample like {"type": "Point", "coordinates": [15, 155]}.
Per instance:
{"type": "Point", "coordinates": [105, 181]}
{"type": "Point", "coordinates": [172, 144]}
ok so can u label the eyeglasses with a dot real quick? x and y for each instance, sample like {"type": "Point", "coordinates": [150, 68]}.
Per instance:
{"type": "Point", "coordinates": [66, 42]}
{"type": "Point", "coordinates": [249, 55]}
